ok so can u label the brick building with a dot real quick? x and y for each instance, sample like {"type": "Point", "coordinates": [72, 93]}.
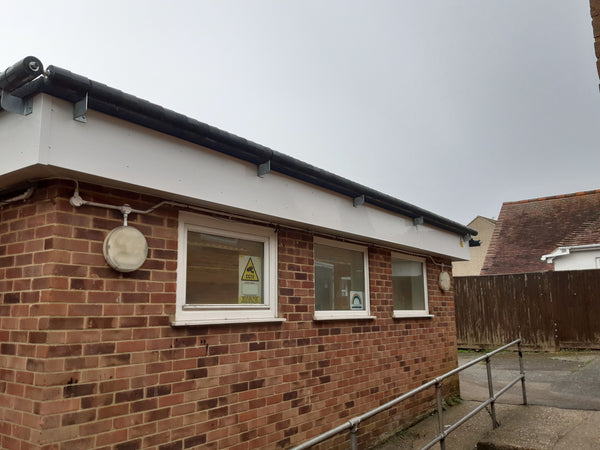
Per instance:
{"type": "Point", "coordinates": [560, 232]}
{"type": "Point", "coordinates": [164, 284]}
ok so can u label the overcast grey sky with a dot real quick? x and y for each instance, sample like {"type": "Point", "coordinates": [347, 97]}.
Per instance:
{"type": "Point", "coordinates": [452, 105]}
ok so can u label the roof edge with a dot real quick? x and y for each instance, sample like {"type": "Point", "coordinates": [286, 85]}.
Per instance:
{"type": "Point", "coordinates": [567, 250]}
{"type": "Point", "coordinates": [554, 197]}
{"type": "Point", "coordinates": [71, 87]}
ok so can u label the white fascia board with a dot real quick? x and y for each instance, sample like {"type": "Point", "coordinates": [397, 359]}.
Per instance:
{"type": "Point", "coordinates": [22, 137]}
{"type": "Point", "coordinates": [107, 148]}
{"type": "Point", "coordinates": [563, 251]}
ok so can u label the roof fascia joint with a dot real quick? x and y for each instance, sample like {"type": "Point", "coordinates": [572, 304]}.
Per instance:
{"type": "Point", "coordinates": [263, 169]}
{"type": "Point", "coordinates": [358, 201]}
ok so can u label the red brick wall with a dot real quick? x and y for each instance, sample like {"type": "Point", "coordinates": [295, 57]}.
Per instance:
{"type": "Point", "coordinates": [88, 358]}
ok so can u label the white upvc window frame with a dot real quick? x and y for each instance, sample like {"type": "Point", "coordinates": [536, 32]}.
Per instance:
{"type": "Point", "coordinates": [412, 313]}
{"type": "Point", "coordinates": [345, 314]}
{"type": "Point", "coordinates": [206, 314]}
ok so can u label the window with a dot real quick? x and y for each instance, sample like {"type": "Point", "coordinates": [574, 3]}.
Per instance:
{"type": "Point", "coordinates": [341, 280]}
{"type": "Point", "coordinates": [409, 286]}
{"type": "Point", "coordinates": [227, 272]}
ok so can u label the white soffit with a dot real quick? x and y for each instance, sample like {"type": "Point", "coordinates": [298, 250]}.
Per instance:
{"type": "Point", "coordinates": [113, 149]}
{"type": "Point", "coordinates": [567, 250]}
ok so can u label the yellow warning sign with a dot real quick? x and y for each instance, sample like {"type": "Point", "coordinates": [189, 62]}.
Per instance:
{"type": "Point", "coordinates": [250, 299]}
{"type": "Point", "coordinates": [249, 273]}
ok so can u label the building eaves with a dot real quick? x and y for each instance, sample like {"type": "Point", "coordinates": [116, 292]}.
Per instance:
{"type": "Point", "coordinates": [564, 251]}
{"type": "Point", "coordinates": [73, 88]}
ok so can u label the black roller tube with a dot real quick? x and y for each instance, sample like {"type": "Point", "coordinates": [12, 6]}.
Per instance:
{"type": "Point", "coordinates": [20, 73]}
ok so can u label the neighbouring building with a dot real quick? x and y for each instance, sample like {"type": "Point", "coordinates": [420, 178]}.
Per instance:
{"type": "Point", "coordinates": [595, 13]}
{"type": "Point", "coordinates": [543, 234]}
{"type": "Point", "coordinates": [485, 229]}
{"type": "Point", "coordinates": [167, 285]}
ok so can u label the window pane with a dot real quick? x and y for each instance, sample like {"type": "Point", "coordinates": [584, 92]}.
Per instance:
{"type": "Point", "coordinates": [223, 270]}
{"type": "Point", "coordinates": [339, 279]}
{"type": "Point", "coordinates": [408, 285]}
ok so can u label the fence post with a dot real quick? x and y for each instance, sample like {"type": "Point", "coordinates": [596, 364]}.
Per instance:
{"type": "Point", "coordinates": [491, 392]}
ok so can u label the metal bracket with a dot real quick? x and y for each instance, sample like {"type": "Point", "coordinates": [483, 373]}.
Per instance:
{"type": "Point", "coordinates": [358, 201]}
{"type": "Point", "coordinates": [419, 220]}
{"type": "Point", "coordinates": [80, 109]}
{"type": "Point", "coordinates": [125, 210]}
{"type": "Point", "coordinates": [16, 105]}
{"type": "Point", "coordinates": [264, 169]}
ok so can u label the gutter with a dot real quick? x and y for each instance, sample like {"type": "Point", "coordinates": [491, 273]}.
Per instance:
{"type": "Point", "coordinates": [77, 89]}
{"type": "Point", "coordinates": [564, 251]}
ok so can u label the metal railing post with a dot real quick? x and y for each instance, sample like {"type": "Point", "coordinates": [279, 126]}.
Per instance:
{"type": "Point", "coordinates": [522, 371]}
{"type": "Point", "coordinates": [353, 437]}
{"type": "Point", "coordinates": [488, 367]}
{"type": "Point", "coordinates": [440, 407]}
{"type": "Point", "coordinates": [353, 424]}
{"type": "Point", "coordinates": [354, 433]}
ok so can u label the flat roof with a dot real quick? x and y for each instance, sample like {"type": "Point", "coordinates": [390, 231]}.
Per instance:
{"type": "Point", "coordinates": [74, 88]}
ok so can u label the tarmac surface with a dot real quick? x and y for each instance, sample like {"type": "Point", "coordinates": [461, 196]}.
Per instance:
{"type": "Point", "coordinates": [563, 411]}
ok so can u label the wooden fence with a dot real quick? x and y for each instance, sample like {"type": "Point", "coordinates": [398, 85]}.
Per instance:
{"type": "Point", "coordinates": [548, 310]}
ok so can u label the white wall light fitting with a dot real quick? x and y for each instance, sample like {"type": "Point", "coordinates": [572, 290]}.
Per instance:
{"type": "Point", "coordinates": [125, 249]}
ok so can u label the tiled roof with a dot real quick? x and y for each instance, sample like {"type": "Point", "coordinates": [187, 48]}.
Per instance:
{"type": "Point", "coordinates": [528, 229]}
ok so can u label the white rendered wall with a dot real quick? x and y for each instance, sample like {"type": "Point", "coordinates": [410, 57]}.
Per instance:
{"type": "Point", "coordinates": [123, 154]}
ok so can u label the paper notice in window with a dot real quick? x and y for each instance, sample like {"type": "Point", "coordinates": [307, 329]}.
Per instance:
{"type": "Point", "coordinates": [250, 281]}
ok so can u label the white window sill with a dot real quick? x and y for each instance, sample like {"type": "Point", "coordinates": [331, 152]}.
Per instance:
{"type": "Point", "coordinates": [342, 316]}
{"type": "Point", "coordinates": [412, 316]}
{"type": "Point", "coordinates": [193, 322]}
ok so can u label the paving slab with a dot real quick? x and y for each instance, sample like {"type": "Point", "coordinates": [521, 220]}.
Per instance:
{"type": "Point", "coordinates": [568, 380]}
{"type": "Point", "coordinates": [543, 428]}
{"type": "Point", "coordinates": [521, 427]}
{"type": "Point", "coordinates": [465, 437]}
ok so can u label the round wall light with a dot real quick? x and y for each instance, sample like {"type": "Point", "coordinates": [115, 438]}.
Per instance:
{"type": "Point", "coordinates": [125, 249]}
{"type": "Point", "coordinates": [444, 281]}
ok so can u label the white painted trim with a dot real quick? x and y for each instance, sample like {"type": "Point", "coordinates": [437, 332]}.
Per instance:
{"type": "Point", "coordinates": [412, 313]}
{"type": "Point", "coordinates": [567, 250]}
{"type": "Point", "coordinates": [116, 153]}
{"type": "Point", "coordinates": [341, 315]}
{"type": "Point", "coordinates": [187, 323]}
{"type": "Point", "coordinates": [412, 316]}
{"type": "Point", "coordinates": [346, 314]}
{"type": "Point", "coordinates": [209, 314]}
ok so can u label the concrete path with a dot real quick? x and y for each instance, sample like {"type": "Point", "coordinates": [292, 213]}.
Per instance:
{"type": "Point", "coordinates": [563, 391]}
{"type": "Point", "coordinates": [521, 427]}
{"type": "Point", "coordinates": [568, 380]}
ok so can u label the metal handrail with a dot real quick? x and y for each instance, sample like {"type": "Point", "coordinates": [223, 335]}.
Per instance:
{"type": "Point", "coordinates": [353, 424]}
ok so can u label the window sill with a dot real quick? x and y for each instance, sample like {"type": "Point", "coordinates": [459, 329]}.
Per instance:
{"type": "Point", "coordinates": [412, 316]}
{"type": "Point", "coordinates": [323, 317]}
{"type": "Point", "coordinates": [193, 322]}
